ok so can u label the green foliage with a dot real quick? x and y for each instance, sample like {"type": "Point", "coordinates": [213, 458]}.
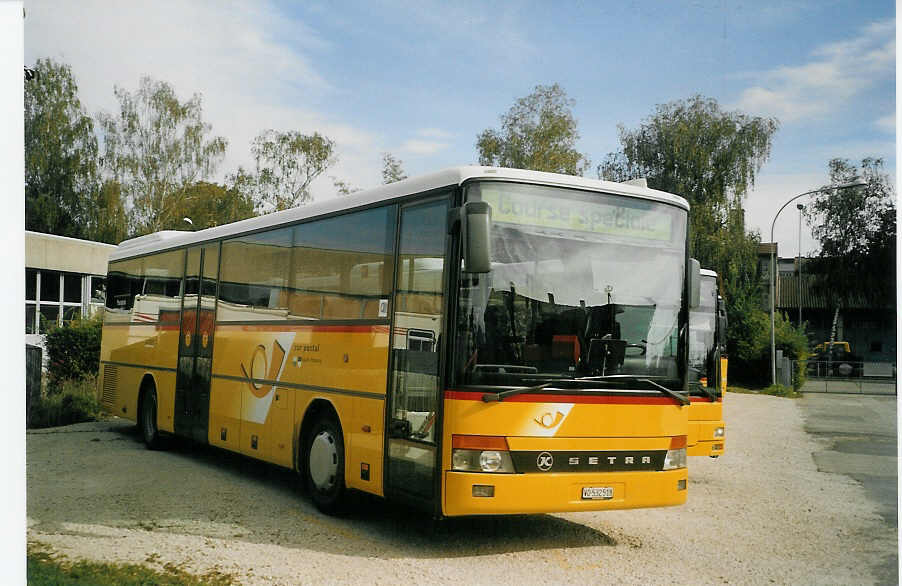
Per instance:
{"type": "Point", "coordinates": [695, 149]}
{"type": "Point", "coordinates": [209, 204]}
{"type": "Point", "coordinates": [66, 402]}
{"type": "Point", "coordinates": [538, 132]}
{"type": "Point", "coordinates": [73, 351]}
{"type": "Point", "coordinates": [781, 391]}
{"type": "Point", "coordinates": [110, 221]}
{"type": "Point", "coordinates": [44, 568]}
{"type": "Point", "coordinates": [61, 174]}
{"type": "Point", "coordinates": [286, 164]}
{"type": "Point", "coordinates": [155, 148]}
{"type": "Point", "coordinates": [742, 390]}
{"type": "Point", "coordinates": [343, 187]}
{"type": "Point", "coordinates": [856, 228]}
{"type": "Point", "coordinates": [391, 169]}
{"type": "Point", "coordinates": [749, 346]}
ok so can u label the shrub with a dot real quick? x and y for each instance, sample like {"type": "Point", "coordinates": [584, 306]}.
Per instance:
{"type": "Point", "coordinates": [73, 351]}
{"type": "Point", "coordinates": [750, 354]}
{"type": "Point", "coordinates": [781, 391]}
{"type": "Point", "coordinates": [74, 401]}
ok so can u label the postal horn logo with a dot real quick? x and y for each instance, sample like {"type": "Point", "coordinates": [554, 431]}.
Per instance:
{"type": "Point", "coordinates": [548, 421]}
{"type": "Point", "coordinates": [263, 372]}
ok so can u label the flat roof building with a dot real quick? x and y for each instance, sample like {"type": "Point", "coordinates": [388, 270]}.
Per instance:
{"type": "Point", "coordinates": [64, 278]}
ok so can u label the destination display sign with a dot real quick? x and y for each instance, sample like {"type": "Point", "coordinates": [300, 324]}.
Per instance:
{"type": "Point", "coordinates": [607, 216]}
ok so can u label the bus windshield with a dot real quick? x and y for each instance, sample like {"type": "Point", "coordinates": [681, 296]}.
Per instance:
{"type": "Point", "coordinates": [582, 285]}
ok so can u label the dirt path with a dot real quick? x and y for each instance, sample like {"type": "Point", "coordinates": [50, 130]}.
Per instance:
{"type": "Point", "coordinates": [760, 514]}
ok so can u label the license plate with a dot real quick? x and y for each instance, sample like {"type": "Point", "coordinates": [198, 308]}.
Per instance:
{"type": "Point", "coordinates": [598, 492]}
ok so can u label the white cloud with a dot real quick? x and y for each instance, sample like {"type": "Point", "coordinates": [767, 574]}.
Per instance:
{"type": "Point", "coordinates": [887, 123]}
{"type": "Point", "coordinates": [836, 73]}
{"type": "Point", "coordinates": [426, 141]}
{"type": "Point", "coordinates": [772, 191]}
{"type": "Point", "coordinates": [416, 146]}
{"type": "Point", "coordinates": [233, 54]}
{"type": "Point", "coordinates": [506, 42]}
{"type": "Point", "coordinates": [434, 133]}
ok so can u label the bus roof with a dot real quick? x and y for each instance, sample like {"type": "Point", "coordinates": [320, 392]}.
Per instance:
{"type": "Point", "coordinates": [454, 176]}
{"type": "Point", "coordinates": [709, 273]}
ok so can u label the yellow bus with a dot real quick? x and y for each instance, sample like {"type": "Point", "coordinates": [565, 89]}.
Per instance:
{"type": "Point", "coordinates": [708, 370]}
{"type": "Point", "coordinates": [475, 341]}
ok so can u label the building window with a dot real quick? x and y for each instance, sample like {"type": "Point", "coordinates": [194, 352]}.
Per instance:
{"type": "Point", "coordinates": [50, 315]}
{"type": "Point", "coordinates": [98, 290]}
{"type": "Point", "coordinates": [72, 288]}
{"type": "Point", "coordinates": [31, 284]}
{"type": "Point", "coordinates": [53, 298]}
{"type": "Point", "coordinates": [50, 286]}
{"type": "Point", "coordinates": [29, 318]}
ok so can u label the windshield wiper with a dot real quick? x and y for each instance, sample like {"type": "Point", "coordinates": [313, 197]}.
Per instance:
{"type": "Point", "coordinates": [683, 399]}
{"type": "Point", "coordinates": [704, 390]}
{"type": "Point", "coordinates": [501, 395]}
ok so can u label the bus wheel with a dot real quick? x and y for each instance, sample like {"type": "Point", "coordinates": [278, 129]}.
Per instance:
{"type": "Point", "coordinates": [149, 430]}
{"type": "Point", "coordinates": [325, 469]}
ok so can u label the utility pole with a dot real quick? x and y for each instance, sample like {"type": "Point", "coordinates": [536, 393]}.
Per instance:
{"type": "Point", "coordinates": [800, 207]}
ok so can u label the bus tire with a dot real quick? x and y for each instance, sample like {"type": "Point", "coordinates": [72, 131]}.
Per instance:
{"type": "Point", "coordinates": [324, 469]}
{"type": "Point", "coordinates": [149, 431]}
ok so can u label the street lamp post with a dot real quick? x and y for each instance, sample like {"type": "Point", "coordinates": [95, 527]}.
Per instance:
{"type": "Point", "coordinates": [773, 267]}
{"type": "Point", "coordinates": [800, 207]}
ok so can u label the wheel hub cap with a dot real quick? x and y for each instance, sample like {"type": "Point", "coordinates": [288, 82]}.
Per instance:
{"type": "Point", "coordinates": [323, 460]}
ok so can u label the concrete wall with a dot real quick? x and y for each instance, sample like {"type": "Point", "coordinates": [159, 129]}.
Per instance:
{"type": "Point", "coordinates": [58, 253]}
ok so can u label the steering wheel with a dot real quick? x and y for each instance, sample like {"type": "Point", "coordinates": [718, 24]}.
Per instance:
{"type": "Point", "coordinates": [640, 346]}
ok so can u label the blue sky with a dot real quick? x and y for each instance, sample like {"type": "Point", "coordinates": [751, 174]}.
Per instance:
{"type": "Point", "coordinates": [422, 79]}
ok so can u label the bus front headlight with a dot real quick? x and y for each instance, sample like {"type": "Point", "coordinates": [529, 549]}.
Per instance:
{"type": "Point", "coordinates": [481, 461]}
{"type": "Point", "coordinates": [481, 454]}
{"type": "Point", "coordinates": [490, 461]}
{"type": "Point", "coordinates": [675, 459]}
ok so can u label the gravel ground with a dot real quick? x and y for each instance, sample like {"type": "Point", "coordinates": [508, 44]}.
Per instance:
{"type": "Point", "coordinates": [760, 514]}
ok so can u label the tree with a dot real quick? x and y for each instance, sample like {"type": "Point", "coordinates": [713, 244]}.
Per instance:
{"type": "Point", "coordinates": [711, 157]}
{"type": "Point", "coordinates": [856, 229]}
{"type": "Point", "coordinates": [209, 204]}
{"type": "Point", "coordinates": [155, 147]}
{"type": "Point", "coordinates": [392, 170]}
{"type": "Point", "coordinates": [286, 164]}
{"type": "Point", "coordinates": [109, 221]}
{"type": "Point", "coordinates": [343, 187]}
{"type": "Point", "coordinates": [61, 175]}
{"type": "Point", "coordinates": [538, 132]}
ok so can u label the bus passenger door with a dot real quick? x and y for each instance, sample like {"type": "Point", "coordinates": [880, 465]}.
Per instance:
{"type": "Point", "coordinates": [192, 384]}
{"type": "Point", "coordinates": [414, 393]}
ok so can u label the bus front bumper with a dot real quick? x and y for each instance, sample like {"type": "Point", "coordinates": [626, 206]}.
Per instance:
{"type": "Point", "coordinates": [560, 492]}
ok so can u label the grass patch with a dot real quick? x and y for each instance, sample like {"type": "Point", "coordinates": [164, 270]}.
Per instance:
{"type": "Point", "coordinates": [743, 390]}
{"type": "Point", "coordinates": [48, 569]}
{"type": "Point", "coordinates": [773, 390]}
{"type": "Point", "coordinates": [72, 401]}
{"type": "Point", "coordinates": [781, 391]}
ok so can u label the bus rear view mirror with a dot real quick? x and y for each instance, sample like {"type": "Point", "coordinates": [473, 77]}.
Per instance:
{"type": "Point", "coordinates": [721, 322]}
{"type": "Point", "coordinates": [695, 280]}
{"type": "Point", "coordinates": [476, 223]}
